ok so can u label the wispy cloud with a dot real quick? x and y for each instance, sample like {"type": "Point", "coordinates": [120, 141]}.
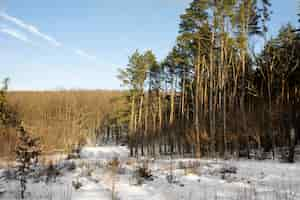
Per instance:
{"type": "Point", "coordinates": [36, 32]}
{"type": "Point", "coordinates": [30, 28]}
{"type": "Point", "coordinates": [84, 54]}
{"type": "Point", "coordinates": [15, 34]}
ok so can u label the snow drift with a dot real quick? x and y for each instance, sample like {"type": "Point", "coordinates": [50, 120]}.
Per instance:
{"type": "Point", "coordinates": [105, 152]}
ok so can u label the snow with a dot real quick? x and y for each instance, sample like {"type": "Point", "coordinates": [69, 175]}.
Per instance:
{"type": "Point", "coordinates": [193, 179]}
{"type": "Point", "coordinates": [105, 152]}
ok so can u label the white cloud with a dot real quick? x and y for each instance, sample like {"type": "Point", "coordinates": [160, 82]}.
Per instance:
{"type": "Point", "coordinates": [30, 28]}
{"type": "Point", "coordinates": [84, 54]}
{"type": "Point", "coordinates": [15, 34]}
{"type": "Point", "coordinates": [35, 31]}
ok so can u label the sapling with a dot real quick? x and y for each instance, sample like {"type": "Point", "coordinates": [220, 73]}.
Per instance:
{"type": "Point", "coordinates": [27, 153]}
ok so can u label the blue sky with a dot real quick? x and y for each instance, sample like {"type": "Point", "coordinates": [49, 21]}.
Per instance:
{"type": "Point", "coordinates": [55, 44]}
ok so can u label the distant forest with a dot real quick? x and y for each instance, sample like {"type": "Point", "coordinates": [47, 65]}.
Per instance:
{"type": "Point", "coordinates": [218, 92]}
{"type": "Point", "coordinates": [60, 119]}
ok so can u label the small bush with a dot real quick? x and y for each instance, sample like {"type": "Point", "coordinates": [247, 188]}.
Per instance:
{"type": "Point", "coordinates": [141, 174]}
{"type": "Point", "coordinates": [114, 163]}
{"type": "Point", "coordinates": [51, 173]}
{"type": "Point", "coordinates": [71, 166]}
{"type": "Point", "coordinates": [74, 153]}
{"type": "Point", "coordinates": [77, 184]}
{"type": "Point", "coordinates": [144, 173]}
{"type": "Point", "coordinates": [227, 169]}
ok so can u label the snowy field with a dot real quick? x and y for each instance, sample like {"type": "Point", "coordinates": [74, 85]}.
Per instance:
{"type": "Point", "coordinates": [97, 175]}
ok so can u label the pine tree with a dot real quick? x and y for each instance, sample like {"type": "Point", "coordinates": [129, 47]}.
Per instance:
{"type": "Point", "coordinates": [4, 108]}
{"type": "Point", "coordinates": [2, 184]}
{"type": "Point", "coordinates": [207, 94]}
{"type": "Point", "coordinates": [27, 153]}
{"type": "Point", "coordinates": [195, 35]}
{"type": "Point", "coordinates": [299, 12]}
{"type": "Point", "coordinates": [134, 77]}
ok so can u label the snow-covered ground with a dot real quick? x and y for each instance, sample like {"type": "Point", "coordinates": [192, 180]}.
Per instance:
{"type": "Point", "coordinates": [95, 177]}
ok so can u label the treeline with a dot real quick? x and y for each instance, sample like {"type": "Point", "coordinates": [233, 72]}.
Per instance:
{"type": "Point", "coordinates": [60, 119]}
{"type": "Point", "coordinates": [214, 94]}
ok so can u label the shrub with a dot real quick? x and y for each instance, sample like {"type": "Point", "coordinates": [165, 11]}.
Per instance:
{"type": "Point", "coordinates": [51, 173]}
{"type": "Point", "coordinates": [27, 153]}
